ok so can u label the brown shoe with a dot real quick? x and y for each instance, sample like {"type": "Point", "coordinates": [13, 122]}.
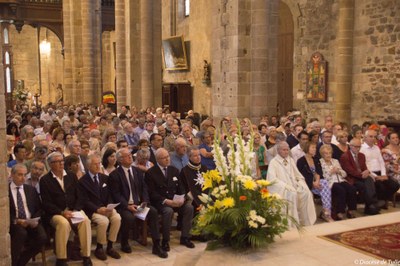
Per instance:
{"type": "Point", "coordinates": [326, 217]}
{"type": "Point", "coordinates": [340, 216]}
{"type": "Point", "coordinates": [113, 253]}
{"type": "Point", "coordinates": [100, 254]}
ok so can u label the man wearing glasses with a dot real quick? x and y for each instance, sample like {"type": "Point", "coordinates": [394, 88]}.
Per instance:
{"type": "Point", "coordinates": [62, 203]}
{"type": "Point", "coordinates": [353, 162]}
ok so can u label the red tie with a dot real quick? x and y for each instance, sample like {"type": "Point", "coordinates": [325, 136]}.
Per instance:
{"type": "Point", "coordinates": [190, 140]}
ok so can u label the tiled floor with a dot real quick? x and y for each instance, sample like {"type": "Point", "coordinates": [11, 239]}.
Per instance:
{"type": "Point", "coordinates": [294, 248]}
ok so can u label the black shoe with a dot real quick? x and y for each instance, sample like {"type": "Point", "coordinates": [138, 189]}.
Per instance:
{"type": "Point", "coordinates": [351, 214]}
{"type": "Point", "coordinates": [200, 238]}
{"type": "Point", "coordinates": [87, 261]}
{"type": "Point", "coordinates": [380, 204]}
{"type": "Point", "coordinates": [126, 248]}
{"type": "Point", "coordinates": [113, 253]}
{"type": "Point", "coordinates": [186, 242]}
{"type": "Point", "coordinates": [371, 210]}
{"type": "Point", "coordinates": [157, 250]}
{"type": "Point", "coordinates": [61, 262]}
{"type": "Point", "coordinates": [165, 246]}
{"type": "Point", "coordinates": [100, 254]}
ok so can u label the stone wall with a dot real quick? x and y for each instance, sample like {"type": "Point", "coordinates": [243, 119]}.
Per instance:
{"type": "Point", "coordinates": [376, 66]}
{"type": "Point", "coordinates": [26, 58]}
{"type": "Point", "coordinates": [196, 29]}
{"type": "Point", "coordinates": [315, 30]}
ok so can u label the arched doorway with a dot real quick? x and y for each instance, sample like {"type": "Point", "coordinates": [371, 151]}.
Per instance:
{"type": "Point", "coordinates": [285, 59]}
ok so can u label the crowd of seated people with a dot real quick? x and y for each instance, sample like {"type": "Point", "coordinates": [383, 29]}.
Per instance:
{"type": "Point", "coordinates": [79, 159]}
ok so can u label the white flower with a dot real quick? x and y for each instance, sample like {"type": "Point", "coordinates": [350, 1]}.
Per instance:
{"type": "Point", "coordinates": [261, 220]}
{"type": "Point", "coordinates": [175, 179]}
{"type": "Point", "coordinates": [253, 224]}
{"type": "Point", "coordinates": [253, 215]}
{"type": "Point", "coordinates": [204, 198]}
{"type": "Point", "coordinates": [199, 180]}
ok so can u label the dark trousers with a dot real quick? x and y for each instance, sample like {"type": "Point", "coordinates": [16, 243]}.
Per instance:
{"type": "Point", "coordinates": [128, 219]}
{"type": "Point", "coordinates": [26, 243]}
{"type": "Point", "coordinates": [366, 188]}
{"type": "Point", "coordinates": [185, 211]}
{"type": "Point", "coordinates": [344, 194]}
{"type": "Point", "coordinates": [386, 188]}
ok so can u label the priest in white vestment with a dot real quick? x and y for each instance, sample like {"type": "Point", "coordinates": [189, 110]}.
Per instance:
{"type": "Point", "coordinates": [289, 183]}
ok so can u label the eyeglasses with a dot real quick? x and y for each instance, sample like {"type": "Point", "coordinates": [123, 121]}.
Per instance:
{"type": "Point", "coordinates": [58, 161]}
{"type": "Point", "coordinates": [358, 147]}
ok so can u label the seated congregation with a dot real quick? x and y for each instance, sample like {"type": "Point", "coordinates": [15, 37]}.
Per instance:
{"type": "Point", "coordinates": [83, 168]}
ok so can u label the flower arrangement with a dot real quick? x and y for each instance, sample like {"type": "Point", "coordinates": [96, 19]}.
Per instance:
{"type": "Point", "coordinates": [20, 94]}
{"type": "Point", "coordinates": [238, 210]}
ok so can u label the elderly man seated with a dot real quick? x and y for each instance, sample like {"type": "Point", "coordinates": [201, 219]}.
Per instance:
{"type": "Point", "coordinates": [290, 185]}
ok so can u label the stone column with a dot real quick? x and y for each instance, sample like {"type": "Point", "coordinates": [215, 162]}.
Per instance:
{"type": "Point", "coordinates": [344, 61]}
{"type": "Point", "coordinates": [264, 50]}
{"type": "Point", "coordinates": [5, 257]}
{"type": "Point", "coordinates": [120, 72]}
{"type": "Point", "coordinates": [146, 52]}
{"type": "Point", "coordinates": [231, 58]}
{"type": "Point", "coordinates": [88, 53]}
{"type": "Point", "coordinates": [68, 79]}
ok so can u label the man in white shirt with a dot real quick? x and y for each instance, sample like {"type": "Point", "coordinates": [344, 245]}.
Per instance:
{"type": "Point", "coordinates": [297, 151]}
{"type": "Point", "coordinates": [385, 186]}
{"type": "Point", "coordinates": [289, 183]}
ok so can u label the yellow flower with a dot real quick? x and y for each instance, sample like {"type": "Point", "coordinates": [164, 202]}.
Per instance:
{"type": "Point", "coordinates": [207, 183]}
{"type": "Point", "coordinates": [202, 220]}
{"type": "Point", "coordinates": [263, 183]}
{"type": "Point", "coordinates": [249, 185]}
{"type": "Point", "coordinates": [218, 204]}
{"type": "Point", "coordinates": [264, 193]}
{"type": "Point", "coordinates": [215, 176]}
{"type": "Point", "coordinates": [228, 202]}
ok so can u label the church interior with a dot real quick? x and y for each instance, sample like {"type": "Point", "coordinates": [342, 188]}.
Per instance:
{"type": "Point", "coordinates": [236, 58]}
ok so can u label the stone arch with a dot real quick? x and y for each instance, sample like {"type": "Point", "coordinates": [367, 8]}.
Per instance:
{"type": "Point", "coordinates": [40, 72]}
{"type": "Point", "coordinates": [295, 9]}
{"type": "Point", "coordinates": [285, 36]}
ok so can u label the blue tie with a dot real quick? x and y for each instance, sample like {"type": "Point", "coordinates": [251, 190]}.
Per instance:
{"type": "Point", "coordinates": [20, 205]}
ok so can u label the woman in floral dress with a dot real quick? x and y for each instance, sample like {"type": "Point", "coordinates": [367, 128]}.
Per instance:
{"type": "Point", "coordinates": [391, 156]}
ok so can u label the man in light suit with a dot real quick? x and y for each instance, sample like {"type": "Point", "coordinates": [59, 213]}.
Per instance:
{"type": "Point", "coordinates": [96, 198]}
{"type": "Point", "coordinates": [163, 183]}
{"type": "Point", "coordinates": [129, 189]}
{"type": "Point", "coordinates": [24, 205]}
{"type": "Point", "coordinates": [61, 200]}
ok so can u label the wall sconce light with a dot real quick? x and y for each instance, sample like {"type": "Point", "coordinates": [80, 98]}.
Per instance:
{"type": "Point", "coordinates": [207, 73]}
{"type": "Point", "coordinates": [45, 47]}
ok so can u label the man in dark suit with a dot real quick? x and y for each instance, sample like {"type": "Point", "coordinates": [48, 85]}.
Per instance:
{"type": "Point", "coordinates": [129, 189]}
{"type": "Point", "coordinates": [156, 142]}
{"type": "Point", "coordinates": [190, 175]}
{"type": "Point", "coordinates": [292, 139]}
{"type": "Point", "coordinates": [61, 201]}
{"type": "Point", "coordinates": [326, 137]}
{"type": "Point", "coordinates": [96, 198]}
{"type": "Point", "coordinates": [163, 183]}
{"type": "Point", "coordinates": [353, 162]}
{"type": "Point", "coordinates": [24, 205]}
